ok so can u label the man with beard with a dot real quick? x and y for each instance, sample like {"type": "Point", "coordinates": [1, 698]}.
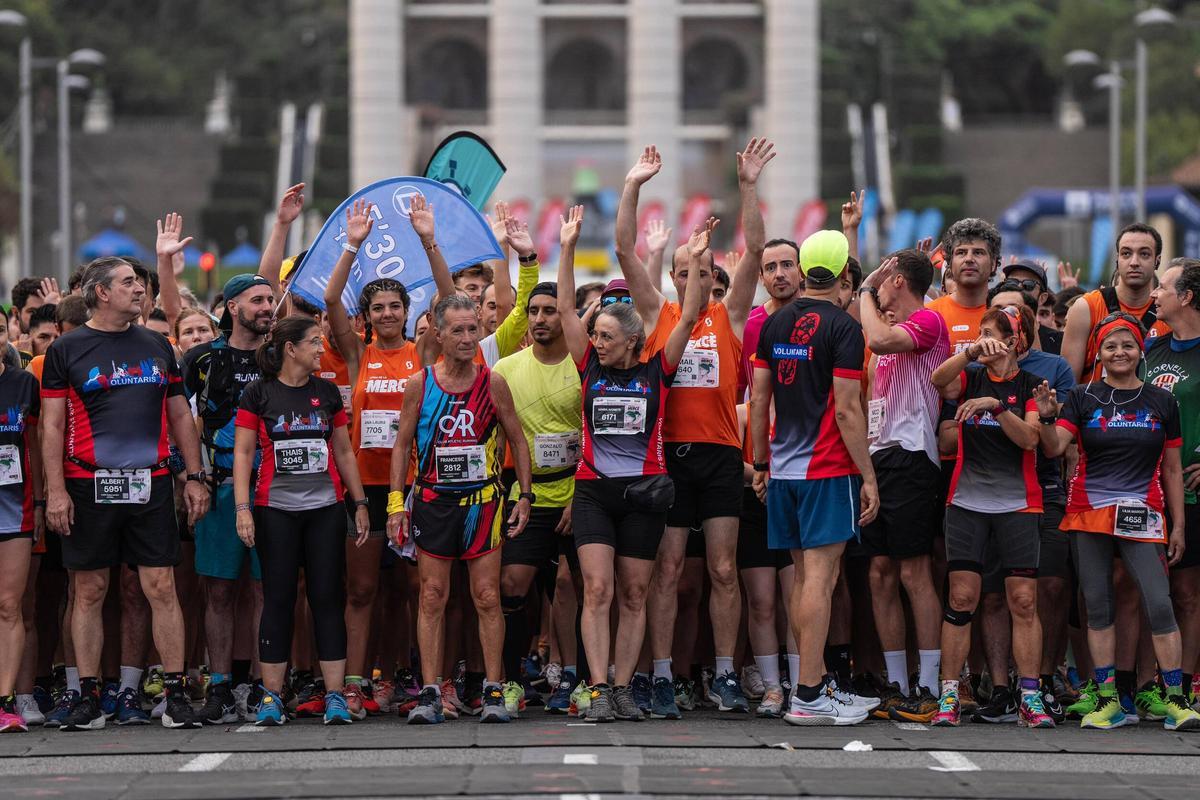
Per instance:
{"type": "Point", "coordinates": [973, 247]}
{"type": "Point", "coordinates": [215, 373]}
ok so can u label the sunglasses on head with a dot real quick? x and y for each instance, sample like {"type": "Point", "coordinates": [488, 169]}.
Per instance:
{"type": "Point", "coordinates": [615, 298]}
{"type": "Point", "coordinates": [1121, 315]}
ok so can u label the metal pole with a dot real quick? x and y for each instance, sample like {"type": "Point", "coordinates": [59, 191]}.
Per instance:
{"type": "Point", "coordinates": [1139, 147]}
{"type": "Point", "coordinates": [1114, 149]}
{"type": "Point", "coordinates": [25, 268]}
{"type": "Point", "coordinates": [64, 174]}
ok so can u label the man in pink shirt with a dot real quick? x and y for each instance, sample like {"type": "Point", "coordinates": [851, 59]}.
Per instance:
{"type": "Point", "coordinates": [780, 274]}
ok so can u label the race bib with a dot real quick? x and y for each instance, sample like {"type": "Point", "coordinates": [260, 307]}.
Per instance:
{"type": "Point", "coordinates": [344, 391]}
{"type": "Point", "coordinates": [619, 416]}
{"type": "Point", "coordinates": [301, 456]}
{"type": "Point", "coordinates": [876, 414]}
{"type": "Point", "coordinates": [698, 369]}
{"type": "Point", "coordinates": [130, 486]}
{"type": "Point", "coordinates": [556, 449]}
{"type": "Point", "coordinates": [10, 465]}
{"type": "Point", "coordinates": [1136, 520]}
{"type": "Point", "coordinates": [460, 464]}
{"type": "Point", "coordinates": [377, 428]}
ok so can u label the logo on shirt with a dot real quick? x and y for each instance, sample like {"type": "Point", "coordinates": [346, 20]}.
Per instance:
{"type": "Point", "coordinates": [460, 424]}
{"type": "Point", "coordinates": [12, 420]}
{"type": "Point", "coordinates": [706, 342]}
{"type": "Point", "coordinates": [386, 385]}
{"type": "Point", "coordinates": [298, 423]}
{"type": "Point", "coordinates": [1171, 374]}
{"type": "Point", "coordinates": [145, 371]}
{"type": "Point", "coordinates": [1145, 420]}
{"type": "Point", "coordinates": [805, 328]}
{"type": "Point", "coordinates": [602, 386]}
{"type": "Point", "coordinates": [792, 351]}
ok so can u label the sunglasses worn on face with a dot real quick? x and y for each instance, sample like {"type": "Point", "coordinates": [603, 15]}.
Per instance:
{"type": "Point", "coordinates": [612, 298]}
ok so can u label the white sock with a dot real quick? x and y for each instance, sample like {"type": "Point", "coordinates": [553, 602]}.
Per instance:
{"type": "Point", "coordinates": [73, 680]}
{"type": "Point", "coordinates": [723, 664]}
{"type": "Point", "coordinates": [662, 668]}
{"type": "Point", "coordinates": [768, 667]}
{"type": "Point", "coordinates": [794, 668]}
{"type": "Point", "coordinates": [931, 662]}
{"type": "Point", "coordinates": [131, 678]}
{"type": "Point", "coordinates": [897, 668]}
{"type": "Point", "coordinates": [949, 686]}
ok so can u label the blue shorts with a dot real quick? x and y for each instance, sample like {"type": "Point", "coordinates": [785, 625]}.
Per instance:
{"type": "Point", "coordinates": [803, 514]}
{"type": "Point", "coordinates": [219, 551]}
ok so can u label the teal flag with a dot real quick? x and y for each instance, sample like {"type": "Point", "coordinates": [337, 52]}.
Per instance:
{"type": "Point", "coordinates": [468, 164]}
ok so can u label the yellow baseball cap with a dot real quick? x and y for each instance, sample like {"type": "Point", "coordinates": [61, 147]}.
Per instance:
{"type": "Point", "coordinates": [823, 256]}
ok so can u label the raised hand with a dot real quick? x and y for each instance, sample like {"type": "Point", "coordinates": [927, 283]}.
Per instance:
{"type": "Point", "coordinates": [701, 237]}
{"type": "Point", "coordinates": [732, 257]}
{"type": "Point", "coordinates": [497, 222]}
{"type": "Point", "coordinates": [48, 291]}
{"type": "Point", "coordinates": [358, 222]}
{"type": "Point", "coordinates": [1067, 277]}
{"type": "Point", "coordinates": [568, 235]}
{"type": "Point", "coordinates": [925, 245]}
{"type": "Point", "coordinates": [168, 242]}
{"type": "Point", "coordinates": [852, 211]}
{"type": "Point", "coordinates": [647, 166]}
{"type": "Point", "coordinates": [290, 205]}
{"type": "Point", "coordinates": [519, 238]}
{"type": "Point", "coordinates": [420, 215]}
{"type": "Point", "coordinates": [750, 163]}
{"type": "Point", "coordinates": [658, 236]}
{"type": "Point", "coordinates": [885, 271]}
{"type": "Point", "coordinates": [1046, 399]}
{"type": "Point", "coordinates": [986, 346]}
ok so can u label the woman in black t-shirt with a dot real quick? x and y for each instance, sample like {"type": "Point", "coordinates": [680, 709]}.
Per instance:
{"type": "Point", "coordinates": [297, 518]}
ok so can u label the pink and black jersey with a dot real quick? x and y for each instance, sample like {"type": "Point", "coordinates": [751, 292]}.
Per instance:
{"type": "Point", "coordinates": [1122, 436]}
{"type": "Point", "coordinates": [116, 385]}
{"type": "Point", "coordinates": [623, 417]}
{"type": "Point", "coordinates": [805, 345]}
{"type": "Point", "coordinates": [903, 399]}
{"type": "Point", "coordinates": [993, 474]}
{"type": "Point", "coordinates": [294, 426]}
{"type": "Point", "coordinates": [19, 404]}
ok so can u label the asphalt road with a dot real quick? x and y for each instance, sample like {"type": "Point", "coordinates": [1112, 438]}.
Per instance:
{"type": "Point", "coordinates": [707, 755]}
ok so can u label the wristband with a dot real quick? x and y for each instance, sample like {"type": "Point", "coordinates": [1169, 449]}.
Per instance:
{"type": "Point", "coordinates": [762, 466]}
{"type": "Point", "coordinates": [429, 247]}
{"type": "Point", "coordinates": [243, 507]}
{"type": "Point", "coordinates": [1048, 420]}
{"type": "Point", "coordinates": [529, 259]}
{"type": "Point", "coordinates": [395, 503]}
{"type": "Point", "coordinates": [349, 248]}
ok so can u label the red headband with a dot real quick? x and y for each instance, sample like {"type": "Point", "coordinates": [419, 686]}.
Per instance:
{"type": "Point", "coordinates": [1120, 324]}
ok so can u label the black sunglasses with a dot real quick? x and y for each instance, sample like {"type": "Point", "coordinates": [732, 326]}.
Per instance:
{"type": "Point", "coordinates": [1025, 285]}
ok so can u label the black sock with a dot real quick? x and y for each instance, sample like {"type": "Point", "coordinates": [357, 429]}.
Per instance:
{"type": "Point", "coordinates": [241, 671]}
{"type": "Point", "coordinates": [809, 693]}
{"type": "Point", "coordinates": [1048, 683]}
{"type": "Point", "coordinates": [1126, 680]}
{"type": "Point", "coordinates": [837, 661]}
{"type": "Point", "coordinates": [516, 641]}
{"type": "Point", "coordinates": [1187, 684]}
{"type": "Point", "coordinates": [44, 681]}
{"type": "Point", "coordinates": [173, 683]}
{"type": "Point", "coordinates": [89, 687]}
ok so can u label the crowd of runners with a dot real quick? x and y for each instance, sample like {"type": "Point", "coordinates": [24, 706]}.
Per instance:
{"type": "Point", "coordinates": [938, 493]}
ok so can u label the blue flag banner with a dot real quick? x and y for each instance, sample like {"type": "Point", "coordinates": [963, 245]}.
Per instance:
{"type": "Point", "coordinates": [393, 249]}
{"type": "Point", "coordinates": [467, 163]}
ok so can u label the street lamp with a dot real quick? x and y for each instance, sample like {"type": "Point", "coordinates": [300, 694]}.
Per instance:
{"type": "Point", "coordinates": [1152, 21]}
{"type": "Point", "coordinates": [67, 82]}
{"type": "Point", "coordinates": [15, 19]}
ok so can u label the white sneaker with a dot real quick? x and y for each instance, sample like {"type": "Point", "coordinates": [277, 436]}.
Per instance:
{"type": "Point", "coordinates": [825, 710]}
{"type": "Point", "coordinates": [28, 709]}
{"type": "Point", "coordinates": [752, 682]}
{"type": "Point", "coordinates": [869, 704]}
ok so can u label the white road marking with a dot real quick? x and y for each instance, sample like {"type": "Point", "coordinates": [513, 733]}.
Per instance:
{"type": "Point", "coordinates": [205, 762]}
{"type": "Point", "coordinates": [581, 724]}
{"type": "Point", "coordinates": [911, 726]}
{"type": "Point", "coordinates": [251, 728]}
{"type": "Point", "coordinates": [579, 797]}
{"type": "Point", "coordinates": [581, 758]}
{"type": "Point", "coordinates": [952, 762]}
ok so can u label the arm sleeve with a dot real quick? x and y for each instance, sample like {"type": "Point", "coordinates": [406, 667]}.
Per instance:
{"type": "Point", "coordinates": [512, 329]}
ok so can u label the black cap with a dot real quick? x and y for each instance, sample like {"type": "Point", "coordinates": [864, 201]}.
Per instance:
{"type": "Point", "coordinates": [1036, 269]}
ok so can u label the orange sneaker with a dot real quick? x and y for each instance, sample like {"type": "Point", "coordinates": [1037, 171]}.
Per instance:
{"type": "Point", "coordinates": [313, 707]}
{"type": "Point", "coordinates": [354, 701]}
{"type": "Point", "coordinates": [449, 698]}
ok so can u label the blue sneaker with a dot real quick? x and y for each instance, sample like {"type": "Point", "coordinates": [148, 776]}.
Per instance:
{"type": "Point", "coordinates": [129, 709]}
{"type": "Point", "coordinates": [1130, 709]}
{"type": "Point", "coordinates": [560, 701]}
{"type": "Point", "coordinates": [108, 700]}
{"type": "Point", "coordinates": [336, 710]}
{"type": "Point", "coordinates": [662, 700]}
{"type": "Point", "coordinates": [641, 692]}
{"type": "Point", "coordinates": [726, 694]}
{"type": "Point", "coordinates": [45, 701]}
{"type": "Point", "coordinates": [270, 710]}
{"type": "Point", "coordinates": [67, 700]}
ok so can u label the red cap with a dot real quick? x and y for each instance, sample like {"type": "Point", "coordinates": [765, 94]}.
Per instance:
{"type": "Point", "coordinates": [616, 285]}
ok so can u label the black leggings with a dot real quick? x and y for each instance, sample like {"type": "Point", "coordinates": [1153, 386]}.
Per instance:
{"type": "Point", "coordinates": [316, 541]}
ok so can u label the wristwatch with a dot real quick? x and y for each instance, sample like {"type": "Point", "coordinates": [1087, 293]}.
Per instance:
{"type": "Point", "coordinates": [530, 496]}
{"type": "Point", "coordinates": [198, 477]}
{"type": "Point", "coordinates": [1051, 420]}
{"type": "Point", "coordinates": [873, 291]}
{"type": "Point", "coordinates": [529, 259]}
{"type": "Point", "coordinates": [362, 502]}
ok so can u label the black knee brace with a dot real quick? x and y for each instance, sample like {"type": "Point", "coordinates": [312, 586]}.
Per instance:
{"type": "Point", "coordinates": [959, 618]}
{"type": "Point", "coordinates": [511, 605]}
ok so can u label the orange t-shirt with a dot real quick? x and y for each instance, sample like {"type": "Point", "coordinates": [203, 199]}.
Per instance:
{"type": "Point", "coordinates": [961, 321]}
{"type": "Point", "coordinates": [35, 367]}
{"type": "Point", "coordinates": [333, 368]}
{"type": "Point", "coordinates": [378, 396]}
{"type": "Point", "coordinates": [702, 403]}
{"type": "Point", "coordinates": [1098, 310]}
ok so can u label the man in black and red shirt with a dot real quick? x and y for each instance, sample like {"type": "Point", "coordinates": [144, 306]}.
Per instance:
{"type": "Point", "coordinates": [111, 393]}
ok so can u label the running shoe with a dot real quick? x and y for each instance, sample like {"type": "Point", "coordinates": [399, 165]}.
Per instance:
{"type": "Point", "coordinates": [494, 708]}
{"type": "Point", "coordinates": [153, 687]}
{"type": "Point", "coordinates": [1001, 707]}
{"type": "Point", "coordinates": [865, 685]}
{"type": "Point", "coordinates": [1180, 716]}
{"type": "Point", "coordinates": [1086, 703]}
{"type": "Point", "coordinates": [966, 697]}
{"type": "Point", "coordinates": [889, 698]}
{"type": "Point", "coordinates": [685, 693]}
{"type": "Point", "coordinates": [368, 698]}
{"type": "Point", "coordinates": [824, 710]}
{"type": "Point", "coordinates": [27, 707]}
{"type": "Point", "coordinates": [352, 695]}
{"type": "Point", "coordinates": [12, 722]}
{"type": "Point", "coordinates": [707, 677]}
{"type": "Point", "coordinates": [313, 705]}
{"type": "Point", "coordinates": [108, 699]}
{"type": "Point", "coordinates": [197, 688]}
{"type": "Point", "coordinates": [514, 697]}
{"type": "Point", "coordinates": [383, 692]}
{"type": "Point", "coordinates": [336, 712]}
{"type": "Point", "coordinates": [625, 705]}
{"type": "Point", "coordinates": [600, 704]}
{"type": "Point", "coordinates": [451, 706]}
{"type": "Point", "coordinates": [67, 700]}
{"type": "Point", "coordinates": [752, 682]}
{"type": "Point", "coordinates": [1032, 712]}
{"type": "Point", "coordinates": [271, 710]}
{"type": "Point", "coordinates": [1150, 703]}
{"type": "Point", "coordinates": [179, 713]}
{"type": "Point", "coordinates": [642, 689]}
{"type": "Point", "coordinates": [726, 694]}
{"type": "Point", "coordinates": [1130, 709]}
{"type": "Point", "coordinates": [771, 705]}
{"type": "Point", "coordinates": [241, 699]}
{"type": "Point", "coordinates": [553, 675]}
{"type": "Point", "coordinates": [159, 709]}
{"type": "Point", "coordinates": [86, 716]}
{"type": "Point", "coordinates": [581, 701]}
{"type": "Point", "coordinates": [922, 707]}
{"type": "Point", "coordinates": [428, 710]}
{"type": "Point", "coordinates": [949, 712]}
{"type": "Point", "coordinates": [560, 701]}
{"type": "Point", "coordinates": [129, 709]}
{"type": "Point", "coordinates": [220, 707]}
{"type": "Point", "coordinates": [45, 700]}
{"type": "Point", "coordinates": [406, 683]}
{"type": "Point", "coordinates": [1107, 715]}
{"type": "Point", "coordinates": [662, 700]}
{"type": "Point", "coordinates": [1050, 702]}
{"type": "Point", "coordinates": [1193, 691]}
{"type": "Point", "coordinates": [472, 693]}
{"type": "Point", "coordinates": [850, 698]}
